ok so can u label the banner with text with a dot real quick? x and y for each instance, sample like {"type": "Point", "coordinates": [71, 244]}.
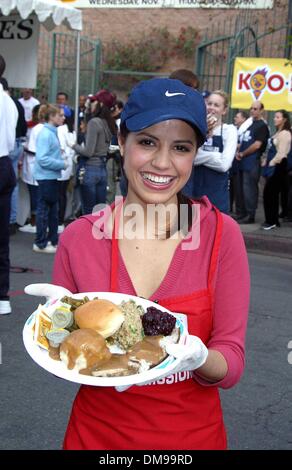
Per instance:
{"type": "Point", "coordinates": [18, 45]}
{"type": "Point", "coordinates": [259, 4]}
{"type": "Point", "coordinates": [267, 80]}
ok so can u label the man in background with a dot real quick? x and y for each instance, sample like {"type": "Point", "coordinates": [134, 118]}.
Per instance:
{"type": "Point", "coordinates": [15, 155]}
{"type": "Point", "coordinates": [28, 102]}
{"type": "Point", "coordinates": [253, 143]}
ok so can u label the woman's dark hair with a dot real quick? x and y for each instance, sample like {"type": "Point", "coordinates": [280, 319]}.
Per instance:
{"type": "Point", "coordinates": [181, 198]}
{"type": "Point", "coordinates": [120, 104]}
{"type": "Point", "coordinates": [103, 112]}
{"type": "Point", "coordinates": [286, 115]}
{"type": "Point", "coordinates": [35, 113]}
{"type": "Point", "coordinates": [243, 113]}
{"type": "Point", "coordinates": [2, 65]}
{"type": "Point", "coordinates": [4, 83]}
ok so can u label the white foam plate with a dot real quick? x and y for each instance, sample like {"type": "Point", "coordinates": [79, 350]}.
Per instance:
{"type": "Point", "coordinates": [58, 368]}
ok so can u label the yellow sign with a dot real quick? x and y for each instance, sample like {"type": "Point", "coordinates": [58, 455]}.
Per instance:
{"type": "Point", "coordinates": [266, 80]}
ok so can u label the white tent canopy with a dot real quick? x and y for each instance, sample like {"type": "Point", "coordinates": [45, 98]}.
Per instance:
{"type": "Point", "coordinates": [49, 12]}
{"type": "Point", "coordinates": [19, 36]}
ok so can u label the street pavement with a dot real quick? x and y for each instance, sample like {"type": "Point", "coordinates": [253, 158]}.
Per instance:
{"type": "Point", "coordinates": [35, 405]}
{"type": "Point", "coordinates": [258, 410]}
{"type": "Point", "coordinates": [277, 242]}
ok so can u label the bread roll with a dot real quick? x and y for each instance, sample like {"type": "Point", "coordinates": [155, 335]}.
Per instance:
{"type": "Point", "coordinates": [102, 316]}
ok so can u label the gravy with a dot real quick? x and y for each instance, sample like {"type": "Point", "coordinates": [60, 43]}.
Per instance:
{"type": "Point", "coordinates": [148, 350]}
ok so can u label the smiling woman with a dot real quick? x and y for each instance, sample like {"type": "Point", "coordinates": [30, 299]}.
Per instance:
{"type": "Point", "coordinates": [162, 125]}
{"type": "Point", "coordinates": [158, 160]}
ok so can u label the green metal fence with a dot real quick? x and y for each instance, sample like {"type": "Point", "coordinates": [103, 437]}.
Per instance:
{"type": "Point", "coordinates": [63, 70]}
{"type": "Point", "coordinates": [217, 52]}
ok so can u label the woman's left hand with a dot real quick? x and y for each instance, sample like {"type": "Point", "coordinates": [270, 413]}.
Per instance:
{"type": "Point", "coordinates": [191, 355]}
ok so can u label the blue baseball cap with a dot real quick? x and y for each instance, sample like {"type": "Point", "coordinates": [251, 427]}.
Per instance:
{"type": "Point", "coordinates": [159, 99]}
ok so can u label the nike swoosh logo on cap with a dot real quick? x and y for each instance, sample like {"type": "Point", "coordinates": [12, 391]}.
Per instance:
{"type": "Point", "coordinates": [168, 94]}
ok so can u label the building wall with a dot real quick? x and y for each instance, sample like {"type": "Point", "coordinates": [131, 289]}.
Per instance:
{"type": "Point", "coordinates": [127, 24]}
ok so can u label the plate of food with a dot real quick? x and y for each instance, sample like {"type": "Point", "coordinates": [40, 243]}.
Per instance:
{"type": "Point", "coordinates": [104, 338]}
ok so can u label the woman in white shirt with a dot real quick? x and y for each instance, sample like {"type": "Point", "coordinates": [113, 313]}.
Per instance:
{"type": "Point", "coordinates": [210, 174]}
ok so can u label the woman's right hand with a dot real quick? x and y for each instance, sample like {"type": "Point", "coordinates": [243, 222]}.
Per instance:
{"type": "Point", "coordinates": [211, 123]}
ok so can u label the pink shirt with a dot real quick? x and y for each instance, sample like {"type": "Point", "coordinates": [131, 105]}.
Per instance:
{"type": "Point", "coordinates": [82, 264]}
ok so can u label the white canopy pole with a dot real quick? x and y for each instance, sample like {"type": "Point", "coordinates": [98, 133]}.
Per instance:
{"type": "Point", "coordinates": [77, 83]}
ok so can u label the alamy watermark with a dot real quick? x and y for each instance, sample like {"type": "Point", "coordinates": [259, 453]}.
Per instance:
{"type": "Point", "coordinates": [158, 221]}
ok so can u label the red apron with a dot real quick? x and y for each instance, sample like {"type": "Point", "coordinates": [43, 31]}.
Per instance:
{"type": "Point", "coordinates": [173, 413]}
